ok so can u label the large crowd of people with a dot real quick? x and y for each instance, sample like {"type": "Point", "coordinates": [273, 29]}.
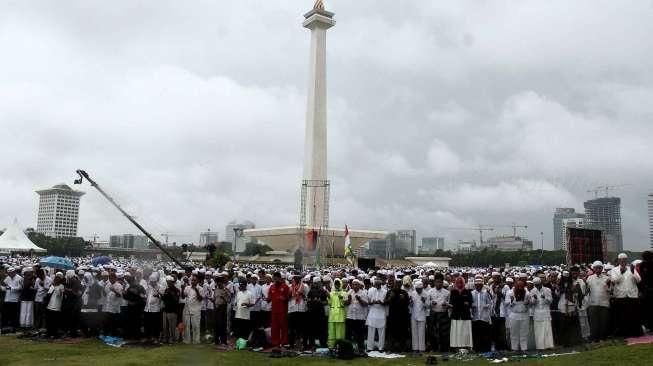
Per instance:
{"type": "Point", "coordinates": [416, 309]}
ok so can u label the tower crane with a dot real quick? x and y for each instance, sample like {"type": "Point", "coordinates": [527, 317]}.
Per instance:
{"type": "Point", "coordinates": [479, 228]}
{"type": "Point", "coordinates": [605, 188]}
{"type": "Point", "coordinates": [514, 228]}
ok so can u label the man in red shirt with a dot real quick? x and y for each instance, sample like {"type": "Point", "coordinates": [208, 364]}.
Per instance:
{"type": "Point", "coordinates": [278, 297]}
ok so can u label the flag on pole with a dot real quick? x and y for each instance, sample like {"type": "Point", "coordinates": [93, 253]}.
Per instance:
{"type": "Point", "coordinates": [349, 253]}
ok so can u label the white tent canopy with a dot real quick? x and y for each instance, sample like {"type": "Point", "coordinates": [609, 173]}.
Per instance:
{"type": "Point", "coordinates": [15, 240]}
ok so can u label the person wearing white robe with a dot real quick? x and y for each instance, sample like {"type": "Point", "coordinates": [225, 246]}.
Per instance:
{"type": "Point", "coordinates": [376, 316]}
{"type": "Point", "coordinates": [518, 300]}
{"type": "Point", "coordinates": [541, 299]}
{"type": "Point", "coordinates": [418, 307]}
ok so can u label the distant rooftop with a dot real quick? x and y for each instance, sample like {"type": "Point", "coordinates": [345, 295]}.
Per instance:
{"type": "Point", "coordinates": [60, 188]}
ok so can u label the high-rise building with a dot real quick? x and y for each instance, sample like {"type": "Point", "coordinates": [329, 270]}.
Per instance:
{"type": "Point", "coordinates": [409, 239]}
{"type": "Point", "coordinates": [235, 227]}
{"type": "Point", "coordinates": [208, 237]}
{"type": "Point", "coordinates": [650, 218]}
{"type": "Point", "coordinates": [559, 215]}
{"type": "Point", "coordinates": [58, 211]}
{"type": "Point", "coordinates": [431, 244]}
{"type": "Point", "coordinates": [604, 213]}
{"type": "Point", "coordinates": [128, 241]}
{"type": "Point", "coordinates": [577, 223]}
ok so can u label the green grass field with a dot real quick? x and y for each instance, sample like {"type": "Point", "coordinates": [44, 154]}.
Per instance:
{"type": "Point", "coordinates": [14, 351]}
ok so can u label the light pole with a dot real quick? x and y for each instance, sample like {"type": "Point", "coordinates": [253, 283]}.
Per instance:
{"type": "Point", "coordinates": [542, 246]}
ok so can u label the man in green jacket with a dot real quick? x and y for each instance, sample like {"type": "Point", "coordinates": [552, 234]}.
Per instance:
{"type": "Point", "coordinates": [336, 313]}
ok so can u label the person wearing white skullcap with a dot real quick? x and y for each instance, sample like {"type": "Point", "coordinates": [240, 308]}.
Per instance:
{"type": "Point", "coordinates": [152, 312]}
{"type": "Point", "coordinates": [439, 322]}
{"type": "Point", "coordinates": [598, 311]}
{"type": "Point", "coordinates": [419, 307]}
{"type": "Point", "coordinates": [624, 279]}
{"type": "Point", "coordinates": [256, 290]}
{"type": "Point", "coordinates": [42, 284]}
{"type": "Point", "coordinates": [53, 307]}
{"type": "Point", "coordinates": [192, 313]}
{"type": "Point", "coordinates": [481, 316]}
{"type": "Point", "coordinates": [113, 290]}
{"type": "Point", "coordinates": [541, 299]}
{"type": "Point", "coordinates": [12, 286]}
{"type": "Point", "coordinates": [316, 313]}
{"type": "Point", "coordinates": [376, 316]}
{"type": "Point", "coordinates": [297, 310]}
{"type": "Point", "coordinates": [356, 302]}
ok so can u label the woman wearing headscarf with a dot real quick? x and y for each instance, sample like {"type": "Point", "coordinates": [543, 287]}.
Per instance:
{"type": "Point", "coordinates": [336, 313]}
{"type": "Point", "coordinates": [460, 299]}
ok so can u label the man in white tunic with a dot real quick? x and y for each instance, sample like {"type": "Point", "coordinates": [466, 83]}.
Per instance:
{"type": "Point", "coordinates": [541, 299]}
{"type": "Point", "coordinates": [625, 278]}
{"type": "Point", "coordinates": [376, 316]}
{"type": "Point", "coordinates": [598, 311]}
{"type": "Point", "coordinates": [193, 295]}
{"type": "Point", "coordinates": [418, 306]}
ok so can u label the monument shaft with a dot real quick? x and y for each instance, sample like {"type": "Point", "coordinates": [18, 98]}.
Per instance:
{"type": "Point", "coordinates": [315, 148]}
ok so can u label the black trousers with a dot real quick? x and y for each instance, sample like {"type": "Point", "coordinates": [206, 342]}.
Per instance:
{"type": "Point", "coordinates": [241, 328]}
{"type": "Point", "coordinates": [134, 319]}
{"type": "Point", "coordinates": [316, 330]}
{"type": "Point", "coordinates": [296, 328]}
{"type": "Point", "coordinates": [52, 319]}
{"type": "Point", "coordinates": [265, 318]}
{"type": "Point", "coordinates": [439, 330]}
{"type": "Point", "coordinates": [498, 333]}
{"type": "Point", "coordinates": [10, 314]}
{"type": "Point", "coordinates": [599, 319]}
{"type": "Point", "coordinates": [356, 332]}
{"type": "Point", "coordinates": [481, 337]}
{"type": "Point", "coordinates": [220, 334]}
{"type": "Point", "coordinates": [112, 323]}
{"type": "Point", "coordinates": [152, 324]}
{"type": "Point", "coordinates": [90, 323]}
{"type": "Point", "coordinates": [39, 315]}
{"type": "Point", "coordinates": [628, 321]}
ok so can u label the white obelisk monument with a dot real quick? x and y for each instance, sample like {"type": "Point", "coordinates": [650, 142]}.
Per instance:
{"type": "Point", "coordinates": [318, 21]}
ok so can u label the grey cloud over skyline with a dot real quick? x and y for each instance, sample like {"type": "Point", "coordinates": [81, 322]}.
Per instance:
{"type": "Point", "coordinates": [441, 114]}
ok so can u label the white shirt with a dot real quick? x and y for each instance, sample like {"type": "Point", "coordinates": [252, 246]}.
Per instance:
{"type": "Point", "coordinates": [541, 300]}
{"type": "Point", "coordinates": [518, 309]}
{"type": "Point", "coordinates": [265, 291]}
{"type": "Point", "coordinates": [57, 297]}
{"type": "Point", "coordinates": [419, 305]}
{"type": "Point", "coordinates": [113, 301]}
{"type": "Point", "coordinates": [355, 310]}
{"type": "Point", "coordinates": [193, 304]}
{"type": "Point", "coordinates": [599, 290]}
{"type": "Point", "coordinates": [152, 301]}
{"type": "Point", "coordinates": [13, 286]}
{"type": "Point", "coordinates": [257, 296]}
{"type": "Point", "coordinates": [243, 298]}
{"type": "Point", "coordinates": [481, 305]}
{"type": "Point", "coordinates": [441, 298]}
{"type": "Point", "coordinates": [377, 312]}
{"type": "Point", "coordinates": [624, 284]}
{"type": "Point", "coordinates": [42, 287]}
{"type": "Point", "coordinates": [294, 305]}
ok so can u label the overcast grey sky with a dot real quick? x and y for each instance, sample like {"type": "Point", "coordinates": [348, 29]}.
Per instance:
{"type": "Point", "coordinates": [440, 113]}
